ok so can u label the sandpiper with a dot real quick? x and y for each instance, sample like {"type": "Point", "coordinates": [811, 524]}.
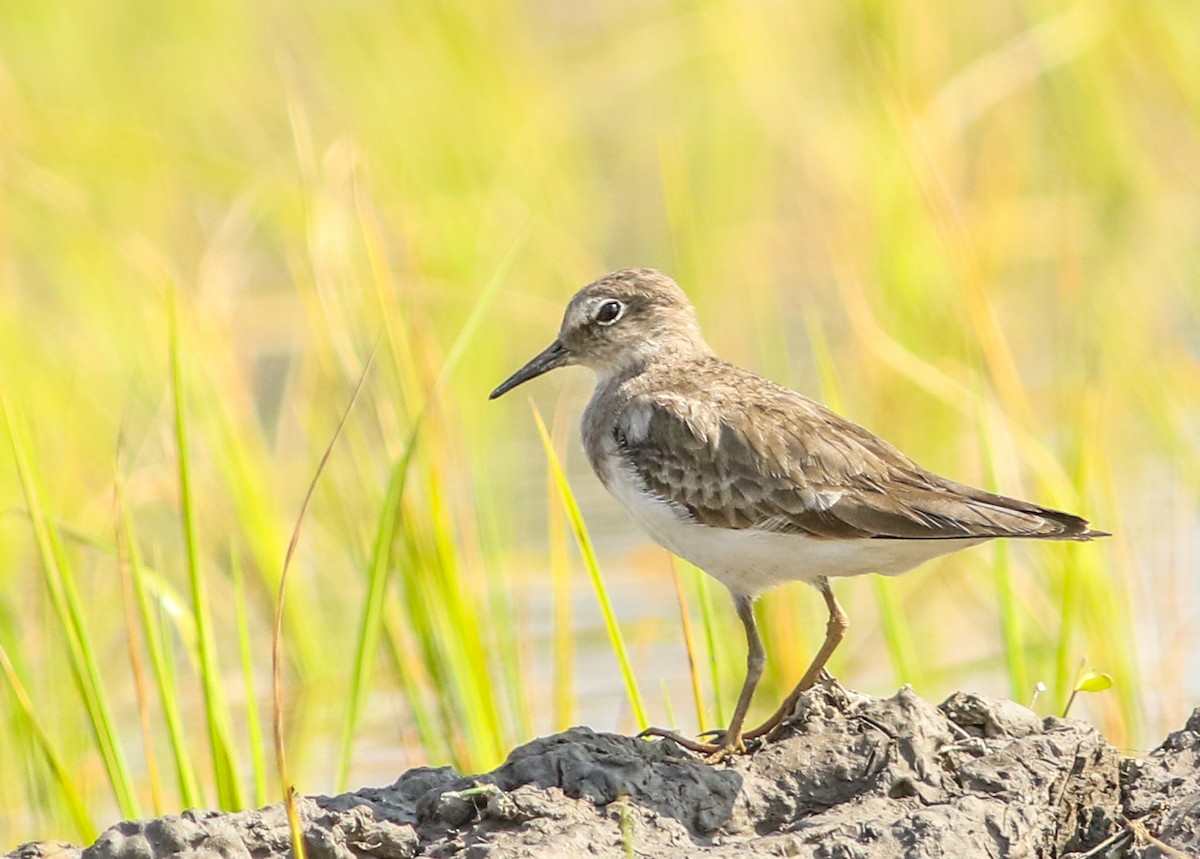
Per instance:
{"type": "Point", "coordinates": [753, 483]}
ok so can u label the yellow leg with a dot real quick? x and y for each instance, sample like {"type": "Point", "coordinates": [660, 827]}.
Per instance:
{"type": "Point", "coordinates": [835, 631]}
{"type": "Point", "coordinates": [731, 741]}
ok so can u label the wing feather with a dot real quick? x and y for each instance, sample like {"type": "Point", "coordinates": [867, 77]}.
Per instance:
{"type": "Point", "coordinates": [792, 465]}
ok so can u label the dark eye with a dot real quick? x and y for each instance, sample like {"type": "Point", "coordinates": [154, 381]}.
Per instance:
{"type": "Point", "coordinates": [609, 312]}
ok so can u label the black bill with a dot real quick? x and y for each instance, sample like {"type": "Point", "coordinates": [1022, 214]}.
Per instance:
{"type": "Point", "coordinates": [554, 355]}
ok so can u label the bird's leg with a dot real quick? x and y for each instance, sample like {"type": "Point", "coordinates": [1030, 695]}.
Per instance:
{"type": "Point", "coordinates": [835, 631]}
{"type": "Point", "coordinates": [756, 658]}
{"type": "Point", "coordinates": [731, 740]}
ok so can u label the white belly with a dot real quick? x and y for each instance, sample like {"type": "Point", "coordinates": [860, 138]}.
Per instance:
{"type": "Point", "coordinates": [750, 561]}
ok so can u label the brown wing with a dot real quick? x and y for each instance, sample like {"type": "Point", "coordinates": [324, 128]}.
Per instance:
{"type": "Point", "coordinates": [754, 462]}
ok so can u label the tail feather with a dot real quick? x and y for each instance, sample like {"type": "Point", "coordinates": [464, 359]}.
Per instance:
{"type": "Point", "coordinates": [1055, 524]}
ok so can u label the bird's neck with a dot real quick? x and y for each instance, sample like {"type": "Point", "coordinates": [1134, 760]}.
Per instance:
{"type": "Point", "coordinates": [670, 348]}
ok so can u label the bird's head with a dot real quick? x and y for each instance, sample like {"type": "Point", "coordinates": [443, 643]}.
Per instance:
{"type": "Point", "coordinates": [616, 324]}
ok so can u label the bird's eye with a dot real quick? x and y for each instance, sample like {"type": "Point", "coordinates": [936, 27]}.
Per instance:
{"type": "Point", "coordinates": [609, 312]}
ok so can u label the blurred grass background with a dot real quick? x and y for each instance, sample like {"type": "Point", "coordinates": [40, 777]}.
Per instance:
{"type": "Point", "coordinates": [975, 230]}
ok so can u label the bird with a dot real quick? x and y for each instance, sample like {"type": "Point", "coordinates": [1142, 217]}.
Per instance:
{"type": "Point", "coordinates": [755, 484]}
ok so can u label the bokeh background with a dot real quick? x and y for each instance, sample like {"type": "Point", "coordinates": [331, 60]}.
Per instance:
{"type": "Point", "coordinates": [973, 228]}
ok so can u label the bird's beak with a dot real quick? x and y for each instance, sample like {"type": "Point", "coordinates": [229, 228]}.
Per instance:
{"type": "Point", "coordinates": [554, 355]}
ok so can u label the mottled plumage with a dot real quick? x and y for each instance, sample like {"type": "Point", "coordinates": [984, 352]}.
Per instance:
{"type": "Point", "coordinates": [737, 451]}
{"type": "Point", "coordinates": [752, 482]}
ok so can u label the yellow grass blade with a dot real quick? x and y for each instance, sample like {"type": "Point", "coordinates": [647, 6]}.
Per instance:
{"type": "Point", "coordinates": [584, 541]}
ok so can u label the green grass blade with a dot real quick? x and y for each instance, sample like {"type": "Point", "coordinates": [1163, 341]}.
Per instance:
{"type": "Point", "coordinates": [708, 619]}
{"type": "Point", "coordinates": [137, 666]}
{"type": "Point", "coordinates": [508, 640]}
{"type": "Point", "coordinates": [584, 541]}
{"type": "Point", "coordinates": [1011, 623]}
{"type": "Point", "coordinates": [414, 682]}
{"type": "Point", "coordinates": [370, 626]}
{"type": "Point", "coordinates": [1012, 627]}
{"type": "Point", "coordinates": [254, 734]}
{"type": "Point", "coordinates": [189, 790]}
{"type": "Point", "coordinates": [895, 631]}
{"type": "Point", "coordinates": [1068, 615]}
{"type": "Point", "coordinates": [229, 791]}
{"type": "Point", "coordinates": [463, 631]}
{"type": "Point", "coordinates": [564, 622]}
{"type": "Point", "coordinates": [60, 584]}
{"type": "Point", "coordinates": [85, 827]}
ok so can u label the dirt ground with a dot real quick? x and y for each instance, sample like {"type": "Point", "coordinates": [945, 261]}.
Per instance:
{"type": "Point", "coordinates": [851, 777]}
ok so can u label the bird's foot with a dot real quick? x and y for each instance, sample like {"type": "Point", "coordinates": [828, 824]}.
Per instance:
{"type": "Point", "coordinates": [721, 747]}
{"type": "Point", "coordinates": [769, 729]}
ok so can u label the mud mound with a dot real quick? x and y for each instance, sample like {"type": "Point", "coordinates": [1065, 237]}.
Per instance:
{"type": "Point", "coordinates": [851, 777]}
